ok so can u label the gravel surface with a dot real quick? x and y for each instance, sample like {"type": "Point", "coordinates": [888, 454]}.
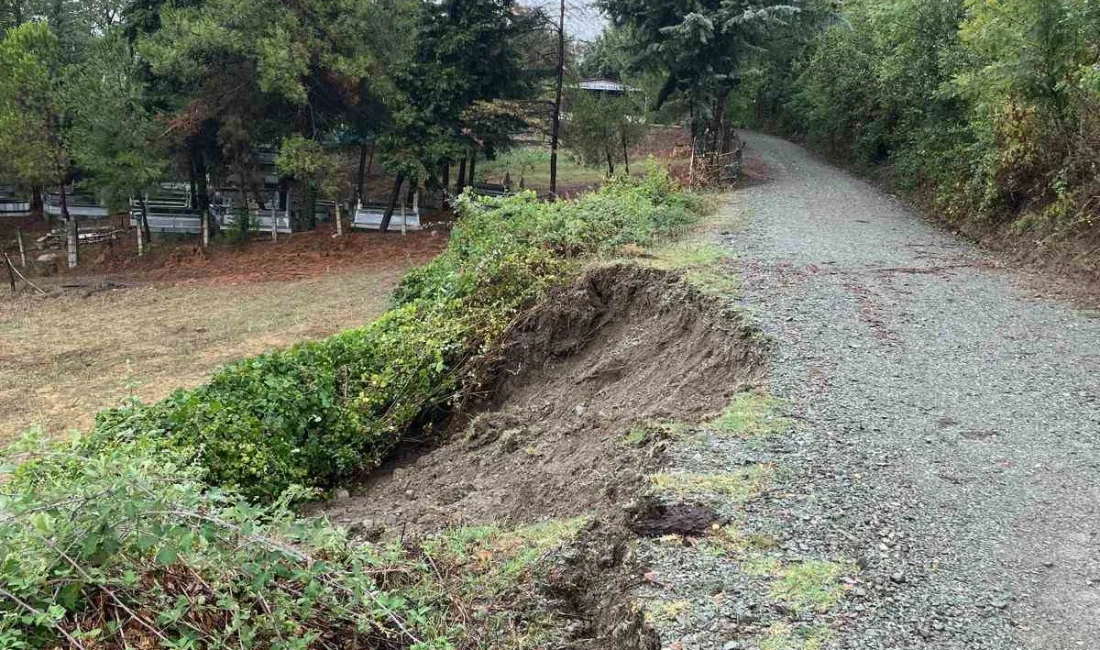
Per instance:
{"type": "Point", "coordinates": [949, 422]}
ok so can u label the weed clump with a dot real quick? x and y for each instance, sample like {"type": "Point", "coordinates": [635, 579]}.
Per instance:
{"type": "Point", "coordinates": [750, 415]}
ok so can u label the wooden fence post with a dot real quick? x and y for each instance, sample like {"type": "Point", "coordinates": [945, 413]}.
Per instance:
{"type": "Point", "coordinates": [22, 249]}
{"type": "Point", "coordinates": [140, 241]}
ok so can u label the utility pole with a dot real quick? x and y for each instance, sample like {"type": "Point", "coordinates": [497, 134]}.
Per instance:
{"type": "Point", "coordinates": [556, 125]}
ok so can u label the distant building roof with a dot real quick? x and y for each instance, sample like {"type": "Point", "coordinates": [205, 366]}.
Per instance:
{"type": "Point", "coordinates": [606, 86]}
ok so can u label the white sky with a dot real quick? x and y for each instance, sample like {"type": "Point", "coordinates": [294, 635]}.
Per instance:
{"type": "Point", "coordinates": [582, 20]}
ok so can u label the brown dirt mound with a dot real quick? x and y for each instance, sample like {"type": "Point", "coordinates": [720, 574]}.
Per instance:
{"type": "Point", "coordinates": [621, 346]}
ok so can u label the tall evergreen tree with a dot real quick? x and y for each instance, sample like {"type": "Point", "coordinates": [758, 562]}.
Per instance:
{"type": "Point", "coordinates": [699, 48]}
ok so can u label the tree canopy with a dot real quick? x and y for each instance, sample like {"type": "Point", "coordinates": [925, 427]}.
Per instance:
{"type": "Point", "coordinates": [990, 107]}
{"type": "Point", "coordinates": [699, 50]}
{"type": "Point", "coordinates": [132, 92]}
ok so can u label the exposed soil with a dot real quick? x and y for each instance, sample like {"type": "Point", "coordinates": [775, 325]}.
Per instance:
{"type": "Point", "coordinates": [546, 437]}
{"type": "Point", "coordinates": [293, 257]}
{"type": "Point", "coordinates": [592, 581]}
{"type": "Point", "coordinates": [620, 347]}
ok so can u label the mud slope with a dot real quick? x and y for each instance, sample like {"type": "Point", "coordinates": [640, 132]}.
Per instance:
{"type": "Point", "coordinates": [621, 346]}
{"type": "Point", "coordinates": [951, 417]}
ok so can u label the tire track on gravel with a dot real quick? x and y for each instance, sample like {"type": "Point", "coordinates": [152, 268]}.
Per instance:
{"type": "Point", "coordinates": [953, 421]}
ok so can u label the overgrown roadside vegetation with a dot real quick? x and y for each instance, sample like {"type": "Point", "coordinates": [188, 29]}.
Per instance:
{"type": "Point", "coordinates": [142, 532]}
{"type": "Point", "coordinates": [988, 110]}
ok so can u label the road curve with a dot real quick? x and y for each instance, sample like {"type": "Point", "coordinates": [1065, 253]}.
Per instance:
{"type": "Point", "coordinates": [953, 418]}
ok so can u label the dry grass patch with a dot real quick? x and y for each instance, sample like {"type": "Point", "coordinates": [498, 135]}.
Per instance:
{"type": "Point", "coordinates": [64, 358]}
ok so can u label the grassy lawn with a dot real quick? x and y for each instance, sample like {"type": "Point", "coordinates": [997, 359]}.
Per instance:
{"type": "Point", "coordinates": [532, 164]}
{"type": "Point", "coordinates": [63, 358]}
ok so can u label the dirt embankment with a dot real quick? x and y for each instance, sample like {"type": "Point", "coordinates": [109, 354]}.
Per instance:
{"type": "Point", "coordinates": [620, 348]}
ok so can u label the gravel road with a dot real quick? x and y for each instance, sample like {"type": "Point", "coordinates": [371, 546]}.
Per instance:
{"type": "Point", "coordinates": [951, 420]}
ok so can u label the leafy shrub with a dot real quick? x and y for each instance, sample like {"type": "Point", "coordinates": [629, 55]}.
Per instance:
{"type": "Point", "coordinates": [129, 548]}
{"type": "Point", "coordinates": [321, 411]}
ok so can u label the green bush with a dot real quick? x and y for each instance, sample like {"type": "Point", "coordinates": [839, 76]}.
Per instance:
{"type": "Point", "coordinates": [127, 547]}
{"type": "Point", "coordinates": [319, 412]}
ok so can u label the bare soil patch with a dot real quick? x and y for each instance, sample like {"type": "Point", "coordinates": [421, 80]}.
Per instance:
{"type": "Point", "coordinates": [621, 347]}
{"type": "Point", "coordinates": [293, 257]}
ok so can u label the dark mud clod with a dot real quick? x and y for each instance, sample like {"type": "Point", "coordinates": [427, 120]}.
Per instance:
{"type": "Point", "coordinates": [659, 519]}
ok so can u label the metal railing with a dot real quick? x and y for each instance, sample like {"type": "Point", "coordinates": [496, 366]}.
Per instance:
{"type": "Point", "coordinates": [369, 217]}
{"type": "Point", "coordinates": [169, 210]}
{"type": "Point", "coordinates": [80, 206]}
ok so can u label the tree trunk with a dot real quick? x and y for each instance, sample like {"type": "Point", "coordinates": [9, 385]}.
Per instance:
{"type": "Point", "coordinates": [145, 221]}
{"type": "Point", "coordinates": [555, 119]}
{"type": "Point", "coordinates": [473, 163]}
{"type": "Point", "coordinates": [460, 183]}
{"type": "Point", "coordinates": [311, 207]}
{"type": "Point", "coordinates": [394, 197]}
{"type": "Point", "coordinates": [37, 210]}
{"type": "Point", "coordinates": [202, 193]}
{"type": "Point", "coordinates": [446, 185]}
{"type": "Point", "coordinates": [192, 181]}
{"type": "Point", "coordinates": [365, 163]}
{"type": "Point", "coordinates": [626, 155]}
{"type": "Point", "coordinates": [610, 162]}
{"type": "Point", "coordinates": [296, 215]}
{"type": "Point", "coordinates": [72, 236]}
{"type": "Point", "coordinates": [339, 221]}
{"type": "Point", "coordinates": [258, 194]}
{"type": "Point", "coordinates": [241, 190]}
{"type": "Point", "coordinates": [718, 121]}
{"type": "Point", "coordinates": [694, 127]}
{"type": "Point", "coordinates": [361, 176]}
